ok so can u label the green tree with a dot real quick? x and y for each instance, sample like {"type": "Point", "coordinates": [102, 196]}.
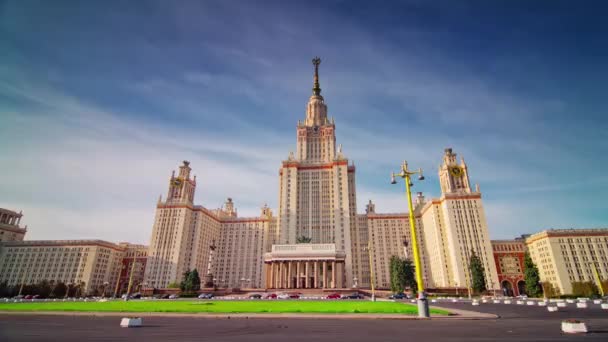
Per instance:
{"type": "Point", "coordinates": [409, 274]}
{"type": "Point", "coordinates": [478, 277]}
{"type": "Point", "coordinates": [531, 277]}
{"type": "Point", "coordinates": [303, 239]}
{"type": "Point", "coordinates": [44, 289]}
{"type": "Point", "coordinates": [195, 280]}
{"type": "Point", "coordinates": [401, 274]}
{"type": "Point", "coordinates": [550, 291]}
{"type": "Point", "coordinates": [59, 290]}
{"type": "Point", "coordinates": [584, 288]}
{"type": "Point", "coordinates": [186, 284]}
{"type": "Point", "coordinates": [397, 274]}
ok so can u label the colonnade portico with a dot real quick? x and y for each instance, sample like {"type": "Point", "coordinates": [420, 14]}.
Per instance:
{"type": "Point", "coordinates": [304, 266]}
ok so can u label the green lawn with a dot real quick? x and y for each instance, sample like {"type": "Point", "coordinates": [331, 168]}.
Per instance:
{"type": "Point", "coordinates": [216, 306]}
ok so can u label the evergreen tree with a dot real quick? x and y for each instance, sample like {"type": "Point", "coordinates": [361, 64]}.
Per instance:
{"type": "Point", "coordinates": [195, 280]}
{"type": "Point", "coordinates": [396, 276]}
{"type": "Point", "coordinates": [409, 276]}
{"type": "Point", "coordinates": [533, 288]}
{"type": "Point", "coordinates": [59, 290]}
{"type": "Point", "coordinates": [186, 284]}
{"type": "Point", "coordinates": [478, 277]}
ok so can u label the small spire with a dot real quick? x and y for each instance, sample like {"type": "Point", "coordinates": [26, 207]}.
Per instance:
{"type": "Point", "coordinates": [316, 89]}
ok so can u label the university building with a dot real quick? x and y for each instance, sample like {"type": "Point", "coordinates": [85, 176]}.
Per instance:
{"type": "Point", "coordinates": [317, 239]}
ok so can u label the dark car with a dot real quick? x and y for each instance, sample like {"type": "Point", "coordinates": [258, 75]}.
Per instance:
{"type": "Point", "coordinates": [165, 296]}
{"type": "Point", "coordinates": [271, 296]}
{"type": "Point", "coordinates": [398, 296]}
{"type": "Point", "coordinates": [334, 296]}
{"type": "Point", "coordinates": [294, 296]}
{"type": "Point", "coordinates": [255, 296]}
{"type": "Point", "coordinates": [136, 296]}
{"type": "Point", "coordinates": [353, 296]}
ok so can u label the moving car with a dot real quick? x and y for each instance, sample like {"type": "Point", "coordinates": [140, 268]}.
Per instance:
{"type": "Point", "coordinates": [173, 296]}
{"type": "Point", "coordinates": [205, 296]}
{"type": "Point", "coordinates": [271, 296]}
{"type": "Point", "coordinates": [334, 296]}
{"type": "Point", "coordinates": [283, 296]}
{"type": "Point", "coordinates": [165, 296]}
{"type": "Point", "coordinates": [255, 296]}
{"type": "Point", "coordinates": [294, 296]}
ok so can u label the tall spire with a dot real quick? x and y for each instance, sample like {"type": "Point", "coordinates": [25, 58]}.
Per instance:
{"type": "Point", "coordinates": [316, 89]}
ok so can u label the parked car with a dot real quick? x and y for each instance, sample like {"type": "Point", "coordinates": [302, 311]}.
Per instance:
{"type": "Point", "coordinates": [255, 296]}
{"type": "Point", "coordinates": [28, 297]}
{"type": "Point", "coordinates": [398, 296]}
{"type": "Point", "coordinates": [355, 295]}
{"type": "Point", "coordinates": [294, 296]}
{"type": "Point", "coordinates": [283, 296]}
{"type": "Point", "coordinates": [36, 297]}
{"type": "Point", "coordinates": [205, 296]}
{"type": "Point", "coordinates": [271, 296]}
{"type": "Point", "coordinates": [136, 296]}
{"type": "Point", "coordinates": [334, 296]}
{"type": "Point", "coordinates": [173, 296]}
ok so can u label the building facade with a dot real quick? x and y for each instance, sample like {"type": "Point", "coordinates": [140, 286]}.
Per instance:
{"type": "Point", "coordinates": [88, 264]}
{"type": "Point", "coordinates": [564, 256]}
{"type": "Point", "coordinates": [10, 230]}
{"type": "Point", "coordinates": [509, 259]}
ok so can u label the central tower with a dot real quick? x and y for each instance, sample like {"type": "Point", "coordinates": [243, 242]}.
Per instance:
{"type": "Point", "coordinates": [317, 201]}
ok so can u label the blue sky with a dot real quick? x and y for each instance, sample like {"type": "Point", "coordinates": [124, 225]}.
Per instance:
{"type": "Point", "coordinates": [99, 101]}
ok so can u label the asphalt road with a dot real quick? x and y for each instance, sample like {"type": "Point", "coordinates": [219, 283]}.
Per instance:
{"type": "Point", "coordinates": [517, 323]}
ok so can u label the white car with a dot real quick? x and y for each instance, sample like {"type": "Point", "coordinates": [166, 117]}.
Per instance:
{"type": "Point", "coordinates": [173, 296]}
{"type": "Point", "coordinates": [283, 296]}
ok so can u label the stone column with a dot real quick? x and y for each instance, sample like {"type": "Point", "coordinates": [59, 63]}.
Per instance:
{"type": "Point", "coordinates": [315, 280]}
{"type": "Point", "coordinates": [289, 267]}
{"type": "Point", "coordinates": [298, 270]}
{"type": "Point", "coordinates": [324, 269]}
{"type": "Point", "coordinates": [280, 274]}
{"type": "Point", "coordinates": [269, 276]}
{"type": "Point", "coordinates": [307, 272]}
{"type": "Point", "coordinates": [340, 266]}
{"type": "Point", "coordinates": [333, 274]}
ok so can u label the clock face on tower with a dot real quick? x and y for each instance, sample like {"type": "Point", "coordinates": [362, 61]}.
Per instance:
{"type": "Point", "coordinates": [456, 171]}
{"type": "Point", "coordinates": [177, 182]}
{"type": "Point", "coordinates": [315, 129]}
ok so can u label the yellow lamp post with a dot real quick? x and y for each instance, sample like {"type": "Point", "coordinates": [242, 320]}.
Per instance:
{"type": "Point", "coordinates": [597, 278]}
{"type": "Point", "coordinates": [423, 305]}
{"type": "Point", "coordinates": [370, 251]}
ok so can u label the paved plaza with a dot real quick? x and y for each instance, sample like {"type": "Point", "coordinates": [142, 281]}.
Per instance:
{"type": "Point", "coordinates": [516, 323]}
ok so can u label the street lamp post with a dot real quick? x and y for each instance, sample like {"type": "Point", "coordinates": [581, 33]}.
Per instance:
{"type": "Point", "coordinates": [370, 251]}
{"type": "Point", "coordinates": [131, 278]}
{"type": "Point", "coordinates": [105, 285]}
{"type": "Point", "coordinates": [597, 278]}
{"type": "Point", "coordinates": [423, 305]}
{"type": "Point", "coordinates": [67, 292]}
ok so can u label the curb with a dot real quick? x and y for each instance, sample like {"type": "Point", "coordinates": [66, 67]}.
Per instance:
{"type": "Point", "coordinates": [459, 315]}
